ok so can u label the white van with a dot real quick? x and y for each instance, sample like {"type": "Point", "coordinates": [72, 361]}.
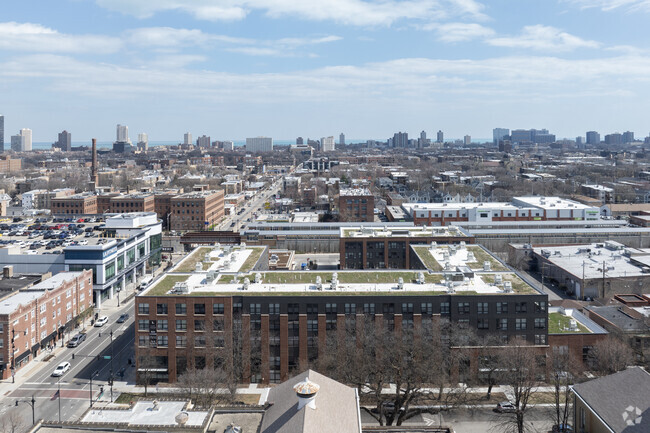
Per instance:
{"type": "Point", "coordinates": [144, 283]}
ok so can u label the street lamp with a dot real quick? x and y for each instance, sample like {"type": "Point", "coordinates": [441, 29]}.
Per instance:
{"type": "Point", "coordinates": [111, 376]}
{"type": "Point", "coordinates": [13, 356]}
{"type": "Point", "coordinates": [59, 398]}
{"type": "Point", "coordinates": [31, 403]}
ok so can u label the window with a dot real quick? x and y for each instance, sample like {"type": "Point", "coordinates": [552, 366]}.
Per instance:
{"type": "Point", "coordinates": [540, 306]}
{"type": "Point", "coordinates": [444, 308]}
{"type": "Point", "coordinates": [143, 325]}
{"type": "Point", "coordinates": [199, 308]}
{"type": "Point", "coordinates": [181, 325]}
{"type": "Point", "coordinates": [463, 308]}
{"type": "Point", "coordinates": [312, 308]}
{"type": "Point", "coordinates": [162, 341]}
{"type": "Point", "coordinates": [426, 308]}
{"type": "Point", "coordinates": [330, 324]}
{"type": "Point", "coordinates": [540, 339]}
{"type": "Point", "coordinates": [161, 308]}
{"type": "Point", "coordinates": [143, 308]}
{"type": "Point", "coordinates": [521, 307]}
{"type": "Point", "coordinates": [368, 308]}
{"type": "Point", "coordinates": [540, 323]}
{"type": "Point", "coordinates": [142, 340]}
{"type": "Point", "coordinates": [502, 308]}
{"type": "Point", "coordinates": [312, 325]}
{"type": "Point", "coordinates": [407, 307]}
{"type": "Point", "coordinates": [483, 324]}
{"type": "Point", "coordinates": [292, 309]}
{"type": "Point", "coordinates": [218, 325]}
{"type": "Point", "coordinates": [199, 341]}
{"type": "Point", "coordinates": [181, 308]}
{"type": "Point", "coordinates": [181, 341]}
{"type": "Point", "coordinates": [520, 324]}
{"type": "Point", "coordinates": [219, 342]}
{"type": "Point", "coordinates": [255, 308]}
{"type": "Point", "coordinates": [120, 262]}
{"type": "Point", "coordinates": [130, 256]}
{"type": "Point", "coordinates": [502, 324]}
{"type": "Point", "coordinates": [274, 308]}
{"type": "Point", "coordinates": [388, 308]}
{"type": "Point", "coordinates": [482, 307]}
{"type": "Point", "coordinates": [349, 309]}
{"type": "Point", "coordinates": [162, 325]}
{"type": "Point", "coordinates": [109, 271]}
{"type": "Point", "coordinates": [330, 308]}
{"type": "Point", "coordinates": [199, 325]}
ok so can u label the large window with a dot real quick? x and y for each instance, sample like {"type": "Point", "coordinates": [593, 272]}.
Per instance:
{"type": "Point", "coordinates": [141, 249]}
{"type": "Point", "coordinates": [143, 308]}
{"type": "Point", "coordinates": [79, 268]}
{"type": "Point", "coordinates": [120, 262]}
{"type": "Point", "coordinates": [130, 256]}
{"type": "Point", "coordinates": [109, 270]}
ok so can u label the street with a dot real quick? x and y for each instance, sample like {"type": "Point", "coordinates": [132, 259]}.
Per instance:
{"type": "Point", "coordinates": [74, 385]}
{"type": "Point", "coordinates": [255, 204]}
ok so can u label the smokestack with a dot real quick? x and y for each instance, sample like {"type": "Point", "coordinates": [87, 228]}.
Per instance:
{"type": "Point", "coordinates": [93, 169]}
{"type": "Point", "coordinates": [306, 392]}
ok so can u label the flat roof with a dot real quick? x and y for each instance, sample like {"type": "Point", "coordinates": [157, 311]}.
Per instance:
{"type": "Point", "coordinates": [388, 231]}
{"type": "Point", "coordinates": [142, 413]}
{"type": "Point", "coordinates": [351, 192]}
{"type": "Point", "coordinates": [570, 321]}
{"type": "Point", "coordinates": [587, 261]}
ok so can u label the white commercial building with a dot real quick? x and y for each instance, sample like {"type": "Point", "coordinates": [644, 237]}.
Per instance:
{"type": "Point", "coordinates": [327, 144]}
{"type": "Point", "coordinates": [122, 133]}
{"type": "Point", "coordinates": [259, 144]}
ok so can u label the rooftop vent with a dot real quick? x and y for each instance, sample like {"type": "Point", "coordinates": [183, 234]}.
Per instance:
{"type": "Point", "coordinates": [306, 392]}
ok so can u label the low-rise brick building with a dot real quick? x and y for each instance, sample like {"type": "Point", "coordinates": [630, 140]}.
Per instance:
{"type": "Point", "coordinates": [196, 210]}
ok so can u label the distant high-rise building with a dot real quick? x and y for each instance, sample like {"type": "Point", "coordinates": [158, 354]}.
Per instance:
{"type": "Point", "coordinates": [143, 142]}
{"type": "Point", "coordinates": [300, 140]}
{"type": "Point", "coordinates": [614, 138]}
{"type": "Point", "coordinates": [342, 139]}
{"type": "Point", "coordinates": [26, 133]}
{"type": "Point", "coordinates": [593, 137]}
{"type": "Point", "coordinates": [64, 142]}
{"type": "Point", "coordinates": [203, 141]}
{"type": "Point", "coordinates": [531, 136]}
{"type": "Point", "coordinates": [628, 137]}
{"type": "Point", "coordinates": [580, 142]}
{"type": "Point", "coordinates": [17, 143]}
{"type": "Point", "coordinates": [440, 137]}
{"type": "Point", "coordinates": [122, 142]}
{"type": "Point", "coordinates": [467, 140]}
{"type": "Point", "coordinates": [187, 138]}
{"type": "Point", "coordinates": [401, 139]}
{"type": "Point", "coordinates": [423, 141]}
{"type": "Point", "coordinates": [122, 134]}
{"type": "Point", "coordinates": [327, 144]}
{"type": "Point", "coordinates": [2, 133]}
{"type": "Point", "coordinates": [228, 145]}
{"type": "Point", "coordinates": [259, 144]}
{"type": "Point", "coordinates": [499, 134]}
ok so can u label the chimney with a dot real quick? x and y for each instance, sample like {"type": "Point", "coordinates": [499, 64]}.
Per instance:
{"type": "Point", "coordinates": [306, 392]}
{"type": "Point", "coordinates": [8, 271]}
{"type": "Point", "coordinates": [93, 169]}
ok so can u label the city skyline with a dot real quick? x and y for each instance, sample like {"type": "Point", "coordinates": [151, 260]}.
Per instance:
{"type": "Point", "coordinates": [241, 69]}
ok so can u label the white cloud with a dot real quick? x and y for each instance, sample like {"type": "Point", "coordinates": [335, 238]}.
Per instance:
{"type": "Point", "coordinates": [28, 37]}
{"type": "Point", "coordinates": [462, 32]}
{"type": "Point", "coordinates": [351, 12]}
{"type": "Point", "coordinates": [543, 38]}
{"type": "Point", "coordinates": [610, 5]}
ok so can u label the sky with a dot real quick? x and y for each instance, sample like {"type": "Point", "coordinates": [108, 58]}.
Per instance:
{"type": "Point", "coordinates": [233, 69]}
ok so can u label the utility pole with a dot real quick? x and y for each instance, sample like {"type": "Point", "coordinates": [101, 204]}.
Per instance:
{"type": "Point", "coordinates": [93, 374]}
{"type": "Point", "coordinates": [111, 376]}
{"type": "Point", "coordinates": [59, 398]}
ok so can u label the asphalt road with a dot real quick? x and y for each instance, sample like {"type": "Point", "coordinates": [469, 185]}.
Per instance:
{"type": "Point", "coordinates": [256, 204]}
{"type": "Point", "coordinates": [75, 384]}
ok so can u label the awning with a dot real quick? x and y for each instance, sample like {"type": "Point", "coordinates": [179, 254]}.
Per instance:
{"type": "Point", "coordinates": [22, 356]}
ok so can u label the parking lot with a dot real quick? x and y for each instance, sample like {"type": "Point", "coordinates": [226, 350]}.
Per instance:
{"type": "Point", "coordinates": [50, 235]}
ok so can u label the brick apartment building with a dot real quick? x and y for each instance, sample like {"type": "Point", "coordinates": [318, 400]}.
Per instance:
{"type": "Point", "coordinates": [35, 317]}
{"type": "Point", "coordinates": [132, 203]}
{"type": "Point", "coordinates": [9, 164]}
{"type": "Point", "coordinates": [196, 210]}
{"type": "Point", "coordinates": [79, 204]}
{"type": "Point", "coordinates": [277, 334]}
{"type": "Point", "coordinates": [356, 204]}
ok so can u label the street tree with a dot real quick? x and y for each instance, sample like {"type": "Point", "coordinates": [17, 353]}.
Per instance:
{"type": "Point", "coordinates": [610, 355]}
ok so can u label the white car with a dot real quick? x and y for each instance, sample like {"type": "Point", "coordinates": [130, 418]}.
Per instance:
{"type": "Point", "coordinates": [61, 369]}
{"type": "Point", "coordinates": [101, 321]}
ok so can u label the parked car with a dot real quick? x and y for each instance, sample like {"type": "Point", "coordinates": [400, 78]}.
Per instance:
{"type": "Point", "coordinates": [61, 369]}
{"type": "Point", "coordinates": [76, 340]}
{"type": "Point", "coordinates": [101, 321]}
{"type": "Point", "coordinates": [123, 318]}
{"type": "Point", "coordinates": [505, 407]}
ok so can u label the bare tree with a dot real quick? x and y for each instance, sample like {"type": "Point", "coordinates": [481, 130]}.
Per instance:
{"type": "Point", "coordinates": [13, 422]}
{"type": "Point", "coordinates": [205, 386]}
{"type": "Point", "coordinates": [519, 370]}
{"type": "Point", "coordinates": [564, 371]}
{"type": "Point", "coordinates": [610, 355]}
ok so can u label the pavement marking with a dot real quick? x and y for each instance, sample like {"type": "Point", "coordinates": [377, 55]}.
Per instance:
{"type": "Point", "coordinates": [428, 421]}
